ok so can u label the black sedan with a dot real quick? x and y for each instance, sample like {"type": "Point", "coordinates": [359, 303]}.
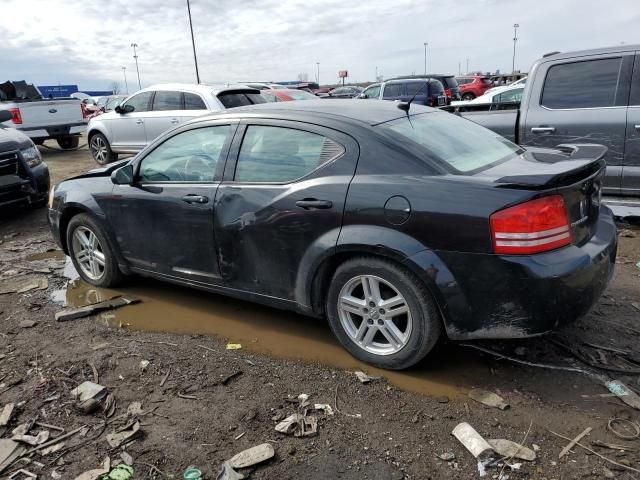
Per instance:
{"type": "Point", "coordinates": [345, 92]}
{"type": "Point", "coordinates": [396, 225]}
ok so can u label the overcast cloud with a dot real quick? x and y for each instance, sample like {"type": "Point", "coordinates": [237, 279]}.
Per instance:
{"type": "Point", "coordinates": [87, 42]}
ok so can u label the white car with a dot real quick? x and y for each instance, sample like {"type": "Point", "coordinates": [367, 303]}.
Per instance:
{"type": "Point", "coordinates": [496, 95]}
{"type": "Point", "coordinates": [146, 114]}
{"type": "Point", "coordinates": [518, 83]}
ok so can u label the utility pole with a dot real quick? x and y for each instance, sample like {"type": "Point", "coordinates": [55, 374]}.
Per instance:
{"type": "Point", "coordinates": [459, 67]}
{"type": "Point", "coordinates": [193, 43]}
{"type": "Point", "coordinates": [425, 57]}
{"type": "Point", "coordinates": [515, 39]}
{"type": "Point", "coordinates": [318, 73]}
{"type": "Point", "coordinates": [135, 56]}
{"type": "Point", "coordinates": [376, 79]}
{"type": "Point", "coordinates": [467, 66]}
{"type": "Point", "coordinates": [126, 85]}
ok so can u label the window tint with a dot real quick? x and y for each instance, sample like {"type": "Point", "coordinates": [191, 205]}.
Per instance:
{"type": "Point", "coordinates": [165, 100]}
{"type": "Point", "coordinates": [372, 92]}
{"type": "Point", "coordinates": [239, 99]}
{"type": "Point", "coordinates": [140, 102]}
{"type": "Point", "coordinates": [392, 90]}
{"type": "Point", "coordinates": [634, 99]}
{"type": "Point", "coordinates": [514, 95]}
{"type": "Point", "coordinates": [436, 87]}
{"type": "Point", "coordinates": [588, 84]}
{"type": "Point", "coordinates": [412, 87]}
{"type": "Point", "coordinates": [193, 102]}
{"type": "Point", "coordinates": [439, 134]}
{"type": "Point", "coordinates": [276, 154]}
{"type": "Point", "coordinates": [190, 156]}
{"type": "Point", "coordinates": [450, 82]}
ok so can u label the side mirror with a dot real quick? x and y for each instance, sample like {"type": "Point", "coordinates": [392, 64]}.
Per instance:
{"type": "Point", "coordinates": [124, 109]}
{"type": "Point", "coordinates": [123, 175]}
{"type": "Point", "coordinates": [5, 115]}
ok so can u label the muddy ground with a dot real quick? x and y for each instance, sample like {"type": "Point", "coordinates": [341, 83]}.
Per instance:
{"type": "Point", "coordinates": [392, 428]}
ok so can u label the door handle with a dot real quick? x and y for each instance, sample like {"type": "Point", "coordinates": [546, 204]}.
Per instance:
{"type": "Point", "coordinates": [174, 120]}
{"type": "Point", "coordinates": [543, 129]}
{"type": "Point", "coordinates": [195, 199]}
{"type": "Point", "coordinates": [312, 203]}
{"type": "Point", "coordinates": [139, 121]}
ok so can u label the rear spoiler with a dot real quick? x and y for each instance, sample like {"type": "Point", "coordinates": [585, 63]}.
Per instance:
{"type": "Point", "coordinates": [582, 161]}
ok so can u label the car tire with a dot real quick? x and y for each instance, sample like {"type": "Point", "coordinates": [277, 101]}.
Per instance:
{"type": "Point", "coordinates": [468, 96]}
{"type": "Point", "coordinates": [91, 253]}
{"type": "Point", "coordinates": [68, 143]}
{"type": "Point", "coordinates": [101, 150]}
{"type": "Point", "coordinates": [415, 332]}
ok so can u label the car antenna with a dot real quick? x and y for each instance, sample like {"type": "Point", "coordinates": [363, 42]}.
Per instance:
{"type": "Point", "coordinates": [407, 105]}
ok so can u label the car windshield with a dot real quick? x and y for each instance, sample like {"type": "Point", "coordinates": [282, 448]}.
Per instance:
{"type": "Point", "coordinates": [300, 95]}
{"type": "Point", "coordinates": [450, 82]}
{"type": "Point", "coordinates": [464, 145]}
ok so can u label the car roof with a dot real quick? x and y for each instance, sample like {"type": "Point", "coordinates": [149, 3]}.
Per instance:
{"type": "Point", "coordinates": [370, 112]}
{"type": "Point", "coordinates": [593, 51]}
{"type": "Point", "coordinates": [197, 88]}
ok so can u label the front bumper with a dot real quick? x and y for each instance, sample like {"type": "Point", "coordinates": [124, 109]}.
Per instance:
{"type": "Point", "coordinates": [21, 189]}
{"type": "Point", "coordinates": [492, 297]}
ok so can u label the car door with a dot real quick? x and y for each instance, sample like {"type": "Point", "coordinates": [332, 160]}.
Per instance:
{"type": "Point", "coordinates": [282, 198]}
{"type": "Point", "coordinates": [165, 113]}
{"type": "Point", "coordinates": [128, 129]}
{"type": "Point", "coordinates": [581, 100]}
{"type": "Point", "coordinates": [631, 167]}
{"type": "Point", "coordinates": [163, 221]}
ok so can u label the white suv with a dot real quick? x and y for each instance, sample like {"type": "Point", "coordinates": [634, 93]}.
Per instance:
{"type": "Point", "coordinates": [142, 117]}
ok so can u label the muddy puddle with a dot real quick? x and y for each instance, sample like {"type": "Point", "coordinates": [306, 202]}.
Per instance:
{"type": "Point", "coordinates": [50, 255]}
{"type": "Point", "coordinates": [448, 371]}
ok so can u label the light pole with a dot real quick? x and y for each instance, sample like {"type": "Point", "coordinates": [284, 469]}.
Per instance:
{"type": "Point", "coordinates": [135, 56]}
{"type": "Point", "coordinates": [376, 79]}
{"type": "Point", "coordinates": [459, 68]}
{"type": "Point", "coordinates": [318, 73]}
{"type": "Point", "coordinates": [425, 57]}
{"type": "Point", "coordinates": [126, 85]}
{"type": "Point", "coordinates": [193, 43]}
{"type": "Point", "coordinates": [515, 39]}
{"type": "Point", "coordinates": [467, 66]}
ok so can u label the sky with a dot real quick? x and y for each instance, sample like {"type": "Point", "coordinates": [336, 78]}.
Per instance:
{"type": "Point", "coordinates": [87, 42]}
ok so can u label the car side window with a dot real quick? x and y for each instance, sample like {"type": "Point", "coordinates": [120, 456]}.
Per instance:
{"type": "Point", "coordinates": [372, 92]}
{"type": "Point", "coordinates": [269, 97]}
{"type": "Point", "coordinates": [514, 95]}
{"type": "Point", "coordinates": [193, 102]}
{"type": "Point", "coordinates": [190, 156]}
{"type": "Point", "coordinates": [392, 90]}
{"type": "Point", "coordinates": [140, 102]}
{"type": "Point", "coordinates": [586, 84]}
{"type": "Point", "coordinates": [634, 98]}
{"type": "Point", "coordinates": [281, 155]}
{"type": "Point", "coordinates": [167, 100]}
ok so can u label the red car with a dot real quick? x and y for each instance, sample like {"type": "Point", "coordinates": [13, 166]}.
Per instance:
{"type": "Point", "coordinates": [286, 95]}
{"type": "Point", "coordinates": [473, 86]}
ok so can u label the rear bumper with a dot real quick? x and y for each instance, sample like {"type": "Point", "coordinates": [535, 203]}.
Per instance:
{"type": "Point", "coordinates": [55, 131]}
{"type": "Point", "coordinates": [492, 297]}
{"type": "Point", "coordinates": [15, 189]}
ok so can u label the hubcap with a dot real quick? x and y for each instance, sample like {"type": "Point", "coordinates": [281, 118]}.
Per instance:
{"type": "Point", "coordinates": [375, 315]}
{"type": "Point", "coordinates": [99, 149]}
{"type": "Point", "coordinates": [88, 253]}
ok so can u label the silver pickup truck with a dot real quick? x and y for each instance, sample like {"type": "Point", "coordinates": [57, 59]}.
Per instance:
{"type": "Point", "coordinates": [591, 96]}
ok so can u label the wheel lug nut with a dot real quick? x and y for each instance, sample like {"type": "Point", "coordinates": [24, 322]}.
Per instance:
{"type": "Point", "coordinates": [372, 304]}
{"type": "Point", "coordinates": [370, 321]}
{"type": "Point", "coordinates": [380, 322]}
{"type": "Point", "coordinates": [381, 311]}
{"type": "Point", "coordinates": [365, 310]}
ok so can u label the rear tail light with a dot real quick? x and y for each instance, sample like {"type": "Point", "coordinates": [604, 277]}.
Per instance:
{"type": "Point", "coordinates": [83, 108]}
{"type": "Point", "coordinates": [16, 116]}
{"type": "Point", "coordinates": [535, 226]}
{"type": "Point", "coordinates": [447, 92]}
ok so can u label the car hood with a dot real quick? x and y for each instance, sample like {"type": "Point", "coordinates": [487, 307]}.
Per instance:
{"type": "Point", "coordinates": [12, 139]}
{"type": "Point", "coordinates": [102, 171]}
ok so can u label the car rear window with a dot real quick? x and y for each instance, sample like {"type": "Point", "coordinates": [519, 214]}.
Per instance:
{"type": "Point", "coordinates": [487, 81]}
{"type": "Point", "coordinates": [239, 99]}
{"type": "Point", "coordinates": [462, 144]}
{"type": "Point", "coordinates": [450, 82]}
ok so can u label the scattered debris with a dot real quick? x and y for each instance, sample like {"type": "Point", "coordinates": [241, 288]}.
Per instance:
{"type": "Point", "coordinates": [75, 313]}
{"type": "Point", "coordinates": [488, 398]}
{"type": "Point", "coordinates": [447, 456]}
{"type": "Point", "coordinates": [626, 467]}
{"type": "Point", "coordinates": [126, 458]}
{"type": "Point", "coordinates": [507, 448]}
{"type": "Point", "coordinates": [228, 473]}
{"type": "Point", "coordinates": [24, 284]}
{"type": "Point", "coordinates": [90, 396]}
{"type": "Point", "coordinates": [144, 364]}
{"type": "Point", "coordinates": [252, 456]}
{"type": "Point", "coordinates": [119, 472]}
{"type": "Point", "coordinates": [238, 437]}
{"type": "Point", "coordinates": [520, 351]}
{"type": "Point", "coordinates": [324, 407]}
{"type": "Point", "coordinates": [233, 346]}
{"type": "Point", "coordinates": [624, 393]}
{"type": "Point", "coordinates": [299, 425]}
{"type": "Point", "coordinates": [128, 433]}
{"type": "Point", "coordinates": [134, 409]}
{"type": "Point", "coordinates": [363, 377]}
{"type": "Point", "coordinates": [231, 376]}
{"type": "Point", "coordinates": [636, 305]}
{"type": "Point", "coordinates": [613, 446]}
{"type": "Point", "coordinates": [475, 444]}
{"type": "Point", "coordinates": [27, 324]}
{"type": "Point", "coordinates": [614, 423]}
{"type": "Point", "coordinates": [573, 442]}
{"type": "Point", "coordinates": [164, 379]}
{"type": "Point", "coordinates": [96, 472]}
{"type": "Point", "coordinates": [192, 473]}
{"type": "Point", "coordinates": [627, 233]}
{"type": "Point", "coordinates": [9, 451]}
{"type": "Point", "coordinates": [32, 440]}
{"type": "Point", "coordinates": [24, 472]}
{"type": "Point", "coordinates": [6, 414]}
